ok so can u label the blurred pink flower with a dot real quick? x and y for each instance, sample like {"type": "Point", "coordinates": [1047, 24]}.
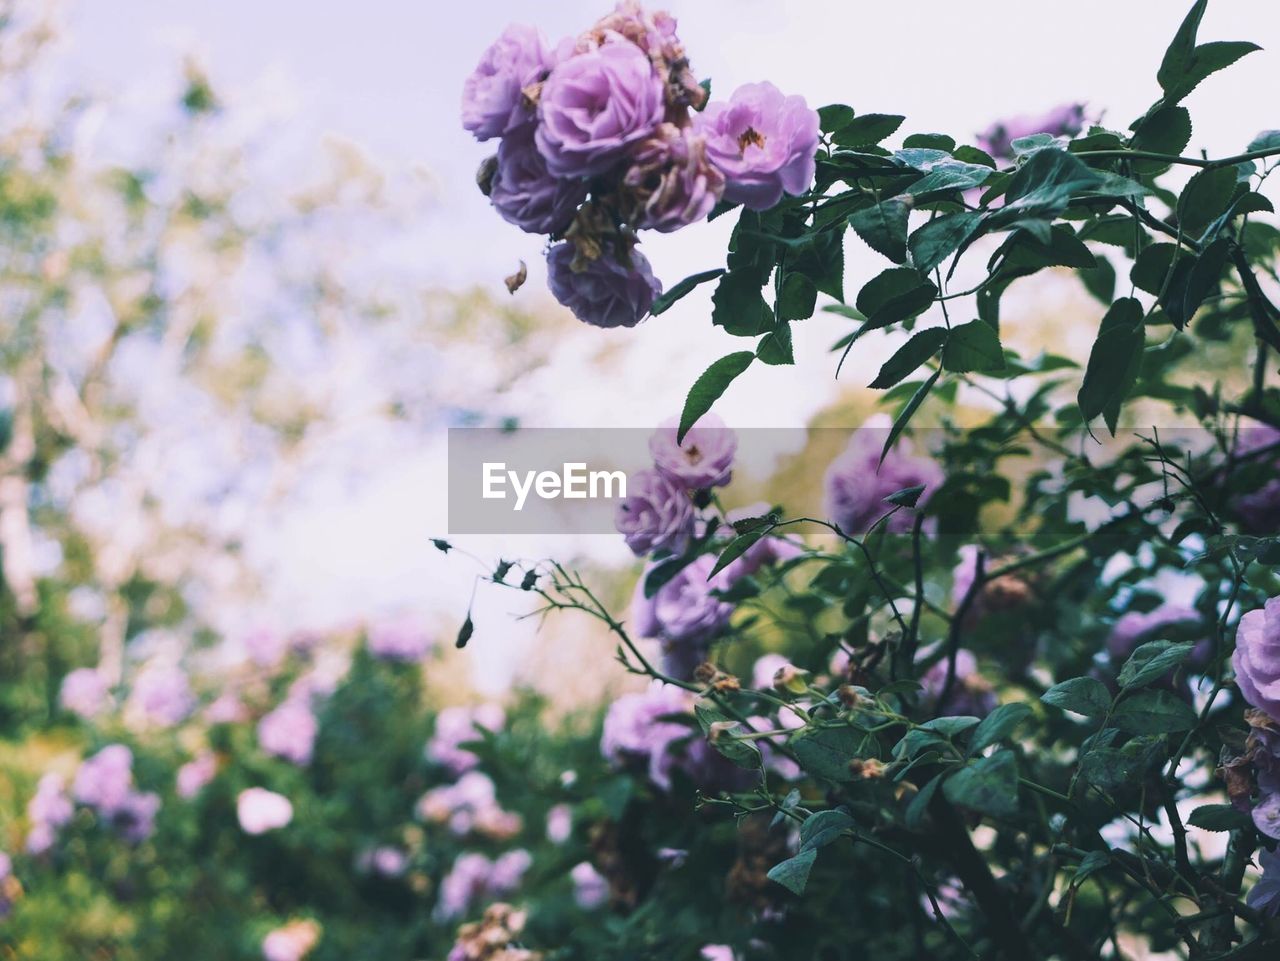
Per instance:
{"type": "Point", "coordinates": [289, 732]}
{"type": "Point", "coordinates": [590, 888]}
{"type": "Point", "coordinates": [84, 692]}
{"type": "Point", "coordinates": [456, 725]}
{"type": "Point", "coordinates": [195, 774]}
{"type": "Point", "coordinates": [260, 810]}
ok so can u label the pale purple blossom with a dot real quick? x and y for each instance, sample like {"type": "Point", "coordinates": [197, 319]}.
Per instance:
{"type": "Point", "coordinates": [1264, 896]}
{"type": "Point", "coordinates": [703, 459]}
{"type": "Point", "coordinates": [493, 100]}
{"type": "Point", "coordinates": [683, 614]}
{"type": "Point", "coordinates": [457, 725]}
{"type": "Point", "coordinates": [1135, 627]}
{"type": "Point", "coordinates": [84, 692]}
{"type": "Point", "coordinates": [195, 774]}
{"type": "Point", "coordinates": [135, 819]}
{"type": "Point", "coordinates": [764, 142]}
{"type": "Point", "coordinates": [265, 647]}
{"type": "Point", "coordinates": [1259, 509]}
{"type": "Point", "coordinates": [398, 641]}
{"type": "Point", "coordinates": [857, 483]}
{"type": "Point", "coordinates": [289, 732]}
{"type": "Point", "coordinates": [764, 670]}
{"type": "Point", "coordinates": [606, 291]}
{"type": "Point", "coordinates": [48, 810]}
{"type": "Point", "coordinates": [590, 887]}
{"type": "Point", "coordinates": [259, 810]}
{"type": "Point", "coordinates": [385, 861]}
{"type": "Point", "coordinates": [595, 104]}
{"type": "Point", "coordinates": [226, 708]}
{"type": "Point", "coordinates": [526, 194]}
{"type": "Point", "coordinates": [1065, 120]}
{"type": "Point", "coordinates": [718, 952]}
{"type": "Point", "coordinates": [671, 183]}
{"type": "Point", "coordinates": [469, 805]}
{"type": "Point", "coordinates": [293, 942]}
{"type": "Point", "coordinates": [656, 514]}
{"type": "Point", "coordinates": [161, 696]}
{"type": "Point", "coordinates": [971, 693]}
{"type": "Point", "coordinates": [1256, 660]}
{"type": "Point", "coordinates": [473, 877]}
{"type": "Point", "coordinates": [105, 780]}
{"type": "Point", "coordinates": [559, 823]}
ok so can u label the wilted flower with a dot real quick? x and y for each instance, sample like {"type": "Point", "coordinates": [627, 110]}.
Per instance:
{"type": "Point", "coordinates": [83, 692]}
{"type": "Point", "coordinates": [526, 194]}
{"type": "Point", "coordinates": [704, 459]}
{"type": "Point", "coordinates": [656, 514]}
{"type": "Point", "coordinates": [764, 142]}
{"type": "Point", "coordinates": [195, 774]}
{"type": "Point", "coordinates": [671, 183]}
{"type": "Point", "coordinates": [260, 810]}
{"type": "Point", "coordinates": [590, 887]}
{"type": "Point", "coordinates": [289, 731]}
{"type": "Point", "coordinates": [595, 104]}
{"type": "Point", "coordinates": [857, 483]}
{"type": "Point", "coordinates": [493, 97]}
{"type": "Point", "coordinates": [456, 725]}
{"type": "Point", "coordinates": [1065, 120]}
{"type": "Point", "coordinates": [604, 292]}
{"type": "Point", "coordinates": [293, 942]}
{"type": "Point", "coordinates": [1256, 660]}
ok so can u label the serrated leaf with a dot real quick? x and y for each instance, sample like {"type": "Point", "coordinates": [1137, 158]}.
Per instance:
{"type": "Point", "coordinates": [826, 752]}
{"type": "Point", "coordinates": [793, 873]}
{"type": "Point", "coordinates": [1113, 361]}
{"type": "Point", "coordinates": [739, 307]}
{"type": "Point", "coordinates": [883, 227]}
{"type": "Point", "coordinates": [708, 388]}
{"type": "Point", "coordinates": [1080, 695]}
{"type": "Point", "coordinates": [1153, 712]}
{"type": "Point", "coordinates": [669, 297]}
{"type": "Point", "coordinates": [893, 295]}
{"type": "Point", "coordinates": [998, 725]}
{"type": "Point", "coordinates": [950, 726]}
{"type": "Point", "coordinates": [1205, 198]}
{"type": "Point", "coordinates": [922, 345]}
{"type": "Point", "coordinates": [934, 241]}
{"type": "Point", "coordinates": [737, 547]}
{"type": "Point", "coordinates": [797, 298]}
{"type": "Point", "coordinates": [1152, 661]}
{"type": "Point", "coordinates": [988, 785]}
{"type": "Point", "coordinates": [973, 347]}
{"type": "Point", "coordinates": [908, 411]}
{"type": "Point", "coordinates": [1219, 817]}
{"type": "Point", "coordinates": [870, 128]}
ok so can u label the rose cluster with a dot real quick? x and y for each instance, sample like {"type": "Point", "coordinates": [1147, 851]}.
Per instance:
{"type": "Point", "coordinates": [609, 133]}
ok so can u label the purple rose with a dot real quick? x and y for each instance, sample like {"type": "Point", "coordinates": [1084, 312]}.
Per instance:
{"type": "Point", "coordinates": [289, 732]}
{"type": "Point", "coordinates": [1135, 627]}
{"type": "Point", "coordinates": [595, 104]}
{"type": "Point", "coordinates": [603, 292]}
{"type": "Point", "coordinates": [161, 696]}
{"type": "Point", "coordinates": [764, 142]}
{"type": "Point", "coordinates": [656, 515]}
{"type": "Point", "coordinates": [857, 483]}
{"type": "Point", "coordinates": [655, 34]}
{"type": "Point", "coordinates": [705, 459]}
{"type": "Point", "coordinates": [1265, 895]}
{"type": "Point", "coordinates": [684, 614]}
{"type": "Point", "coordinates": [1065, 120]}
{"type": "Point", "coordinates": [671, 183]}
{"type": "Point", "coordinates": [1259, 509]}
{"type": "Point", "coordinates": [524, 192]}
{"type": "Point", "coordinates": [1256, 660]}
{"type": "Point", "coordinates": [493, 102]}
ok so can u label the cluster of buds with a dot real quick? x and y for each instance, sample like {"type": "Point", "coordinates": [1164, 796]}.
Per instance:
{"type": "Point", "coordinates": [491, 938]}
{"type": "Point", "coordinates": [609, 133]}
{"type": "Point", "coordinates": [716, 679]}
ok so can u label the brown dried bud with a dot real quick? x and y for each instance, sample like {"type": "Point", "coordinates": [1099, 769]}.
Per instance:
{"type": "Point", "coordinates": [866, 768]}
{"type": "Point", "coordinates": [850, 696]}
{"type": "Point", "coordinates": [515, 281]}
{"type": "Point", "coordinates": [717, 729]}
{"type": "Point", "coordinates": [705, 672]}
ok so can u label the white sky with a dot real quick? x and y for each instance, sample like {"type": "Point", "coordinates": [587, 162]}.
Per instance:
{"type": "Point", "coordinates": [388, 75]}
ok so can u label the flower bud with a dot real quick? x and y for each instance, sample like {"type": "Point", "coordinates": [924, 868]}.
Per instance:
{"type": "Point", "coordinates": [791, 678]}
{"type": "Point", "coordinates": [485, 174]}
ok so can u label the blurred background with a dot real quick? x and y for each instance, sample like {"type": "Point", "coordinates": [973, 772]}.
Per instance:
{"type": "Point", "coordinates": [249, 282]}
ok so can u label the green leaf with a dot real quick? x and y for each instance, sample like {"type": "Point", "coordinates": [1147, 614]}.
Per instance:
{"type": "Point", "coordinates": [834, 116]}
{"type": "Point", "coordinates": [1266, 140]}
{"type": "Point", "coordinates": [937, 239]}
{"type": "Point", "coordinates": [870, 128]}
{"type": "Point", "coordinates": [1185, 63]}
{"type": "Point", "coordinates": [949, 174]}
{"type": "Point", "coordinates": [821, 259]}
{"type": "Point", "coordinates": [669, 297]}
{"type": "Point", "coordinates": [893, 295]}
{"type": "Point", "coordinates": [988, 785]}
{"type": "Point", "coordinates": [1063, 249]}
{"type": "Point", "coordinates": [797, 298]}
{"type": "Point", "coordinates": [973, 347]}
{"type": "Point", "coordinates": [1116, 768]}
{"type": "Point", "coordinates": [1090, 864]}
{"type": "Point", "coordinates": [1043, 186]}
{"type": "Point", "coordinates": [919, 806]}
{"type": "Point", "coordinates": [998, 725]}
{"type": "Point", "coordinates": [907, 497]}
{"type": "Point", "coordinates": [907, 412]}
{"type": "Point", "coordinates": [824, 827]}
{"type": "Point", "coordinates": [739, 307]}
{"type": "Point", "coordinates": [1113, 362]}
{"type": "Point", "coordinates": [1079, 695]}
{"type": "Point", "coordinates": [742, 753]}
{"type": "Point", "coordinates": [737, 547]}
{"type": "Point", "coordinates": [1167, 131]}
{"type": "Point", "coordinates": [883, 227]}
{"type": "Point", "coordinates": [1153, 712]}
{"type": "Point", "coordinates": [775, 347]}
{"type": "Point", "coordinates": [1205, 198]}
{"type": "Point", "coordinates": [827, 751]}
{"type": "Point", "coordinates": [706, 390]}
{"type": "Point", "coordinates": [793, 873]}
{"type": "Point", "coordinates": [1219, 817]}
{"type": "Point", "coordinates": [922, 345]}
{"type": "Point", "coordinates": [950, 726]}
{"type": "Point", "coordinates": [1152, 661]}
